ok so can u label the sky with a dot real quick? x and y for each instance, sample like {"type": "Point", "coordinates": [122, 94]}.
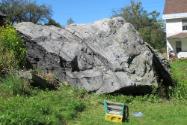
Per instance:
{"type": "Point", "coordinates": [88, 11]}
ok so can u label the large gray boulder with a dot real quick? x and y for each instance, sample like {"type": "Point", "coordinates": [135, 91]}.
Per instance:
{"type": "Point", "coordinates": [104, 57]}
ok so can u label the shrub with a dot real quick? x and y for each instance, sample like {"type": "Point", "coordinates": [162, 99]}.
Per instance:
{"type": "Point", "coordinates": [179, 74]}
{"type": "Point", "coordinates": [45, 108]}
{"type": "Point", "coordinates": [16, 85]}
{"type": "Point", "coordinates": [44, 80]}
{"type": "Point", "coordinates": [7, 59]}
{"type": "Point", "coordinates": [12, 49]}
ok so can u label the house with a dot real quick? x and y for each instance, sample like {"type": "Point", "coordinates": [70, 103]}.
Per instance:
{"type": "Point", "coordinates": [175, 16]}
{"type": "Point", "coordinates": [2, 18]}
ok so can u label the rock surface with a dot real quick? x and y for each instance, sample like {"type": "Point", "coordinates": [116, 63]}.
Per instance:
{"type": "Point", "coordinates": [104, 57]}
{"type": "Point", "coordinates": [40, 80]}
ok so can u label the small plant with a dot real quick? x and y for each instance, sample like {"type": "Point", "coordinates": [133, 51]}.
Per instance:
{"type": "Point", "coordinates": [7, 59]}
{"type": "Point", "coordinates": [179, 91]}
{"type": "Point", "coordinates": [12, 49]}
{"type": "Point", "coordinates": [16, 85]}
{"type": "Point", "coordinates": [47, 80]}
{"type": "Point", "coordinates": [179, 75]}
{"type": "Point", "coordinates": [44, 108]}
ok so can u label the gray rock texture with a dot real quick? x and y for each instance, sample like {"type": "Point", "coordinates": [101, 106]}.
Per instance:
{"type": "Point", "coordinates": [104, 57]}
{"type": "Point", "coordinates": [40, 80]}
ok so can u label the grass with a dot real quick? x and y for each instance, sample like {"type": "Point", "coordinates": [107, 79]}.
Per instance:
{"type": "Point", "coordinates": [179, 74]}
{"type": "Point", "coordinates": [76, 107]}
{"type": "Point", "coordinates": [71, 106]}
{"type": "Point", "coordinates": [155, 110]}
{"type": "Point", "coordinates": [39, 107]}
{"type": "Point", "coordinates": [155, 113]}
{"type": "Point", "coordinates": [179, 71]}
{"type": "Point", "coordinates": [12, 49]}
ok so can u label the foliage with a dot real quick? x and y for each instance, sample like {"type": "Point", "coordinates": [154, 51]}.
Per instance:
{"type": "Point", "coordinates": [25, 10]}
{"type": "Point", "coordinates": [16, 85]}
{"type": "Point", "coordinates": [71, 106]}
{"type": "Point", "coordinates": [53, 22]}
{"type": "Point", "coordinates": [74, 106]}
{"type": "Point", "coordinates": [154, 113]}
{"type": "Point", "coordinates": [70, 21]}
{"type": "Point", "coordinates": [179, 74]}
{"type": "Point", "coordinates": [43, 108]}
{"type": "Point", "coordinates": [12, 50]}
{"type": "Point", "coordinates": [148, 25]}
{"type": "Point", "coordinates": [48, 80]}
{"type": "Point", "coordinates": [7, 59]}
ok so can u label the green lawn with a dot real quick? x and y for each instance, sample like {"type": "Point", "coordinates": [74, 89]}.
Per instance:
{"type": "Point", "coordinates": [179, 70]}
{"type": "Point", "coordinates": [179, 74]}
{"type": "Point", "coordinates": [155, 113]}
{"type": "Point", "coordinates": [76, 107]}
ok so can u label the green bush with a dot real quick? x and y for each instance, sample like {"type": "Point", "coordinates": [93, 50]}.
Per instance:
{"type": "Point", "coordinates": [7, 59]}
{"type": "Point", "coordinates": [15, 85]}
{"type": "Point", "coordinates": [12, 49]}
{"type": "Point", "coordinates": [179, 75]}
{"type": "Point", "coordinates": [44, 108]}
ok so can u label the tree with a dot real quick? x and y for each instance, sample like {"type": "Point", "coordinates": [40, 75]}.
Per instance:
{"type": "Point", "coordinates": [36, 13]}
{"type": "Point", "coordinates": [53, 22]}
{"type": "Point", "coordinates": [12, 8]}
{"type": "Point", "coordinates": [25, 10]}
{"type": "Point", "coordinates": [148, 25]}
{"type": "Point", "coordinates": [70, 21]}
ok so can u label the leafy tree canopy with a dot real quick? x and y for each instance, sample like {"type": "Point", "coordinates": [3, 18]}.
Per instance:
{"type": "Point", "coordinates": [70, 21]}
{"type": "Point", "coordinates": [25, 10]}
{"type": "Point", "coordinates": [148, 24]}
{"type": "Point", "coordinates": [54, 23]}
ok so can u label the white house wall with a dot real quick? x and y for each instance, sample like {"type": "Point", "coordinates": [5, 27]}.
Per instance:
{"type": "Point", "coordinates": [174, 16]}
{"type": "Point", "coordinates": [172, 43]}
{"type": "Point", "coordinates": [173, 27]}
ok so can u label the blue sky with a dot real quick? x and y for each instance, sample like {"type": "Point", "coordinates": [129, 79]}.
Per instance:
{"type": "Point", "coordinates": [87, 11]}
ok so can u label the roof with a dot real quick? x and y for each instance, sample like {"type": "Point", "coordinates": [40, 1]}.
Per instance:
{"type": "Point", "coordinates": [179, 36]}
{"type": "Point", "coordinates": [175, 6]}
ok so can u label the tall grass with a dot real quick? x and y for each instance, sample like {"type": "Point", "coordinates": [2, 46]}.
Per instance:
{"type": "Point", "coordinates": [21, 104]}
{"type": "Point", "coordinates": [72, 106]}
{"type": "Point", "coordinates": [179, 75]}
{"type": "Point", "coordinates": [40, 107]}
{"type": "Point", "coordinates": [15, 85]}
{"type": "Point", "coordinates": [12, 50]}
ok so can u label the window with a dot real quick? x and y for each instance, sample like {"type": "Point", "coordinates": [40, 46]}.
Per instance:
{"type": "Point", "coordinates": [184, 24]}
{"type": "Point", "coordinates": [178, 46]}
{"type": "Point", "coordinates": [184, 27]}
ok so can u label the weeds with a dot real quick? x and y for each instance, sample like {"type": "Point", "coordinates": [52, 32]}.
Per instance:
{"type": "Point", "coordinates": [71, 106]}
{"type": "Point", "coordinates": [45, 108]}
{"type": "Point", "coordinates": [179, 75]}
{"type": "Point", "coordinates": [12, 49]}
{"type": "Point", "coordinates": [16, 85]}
